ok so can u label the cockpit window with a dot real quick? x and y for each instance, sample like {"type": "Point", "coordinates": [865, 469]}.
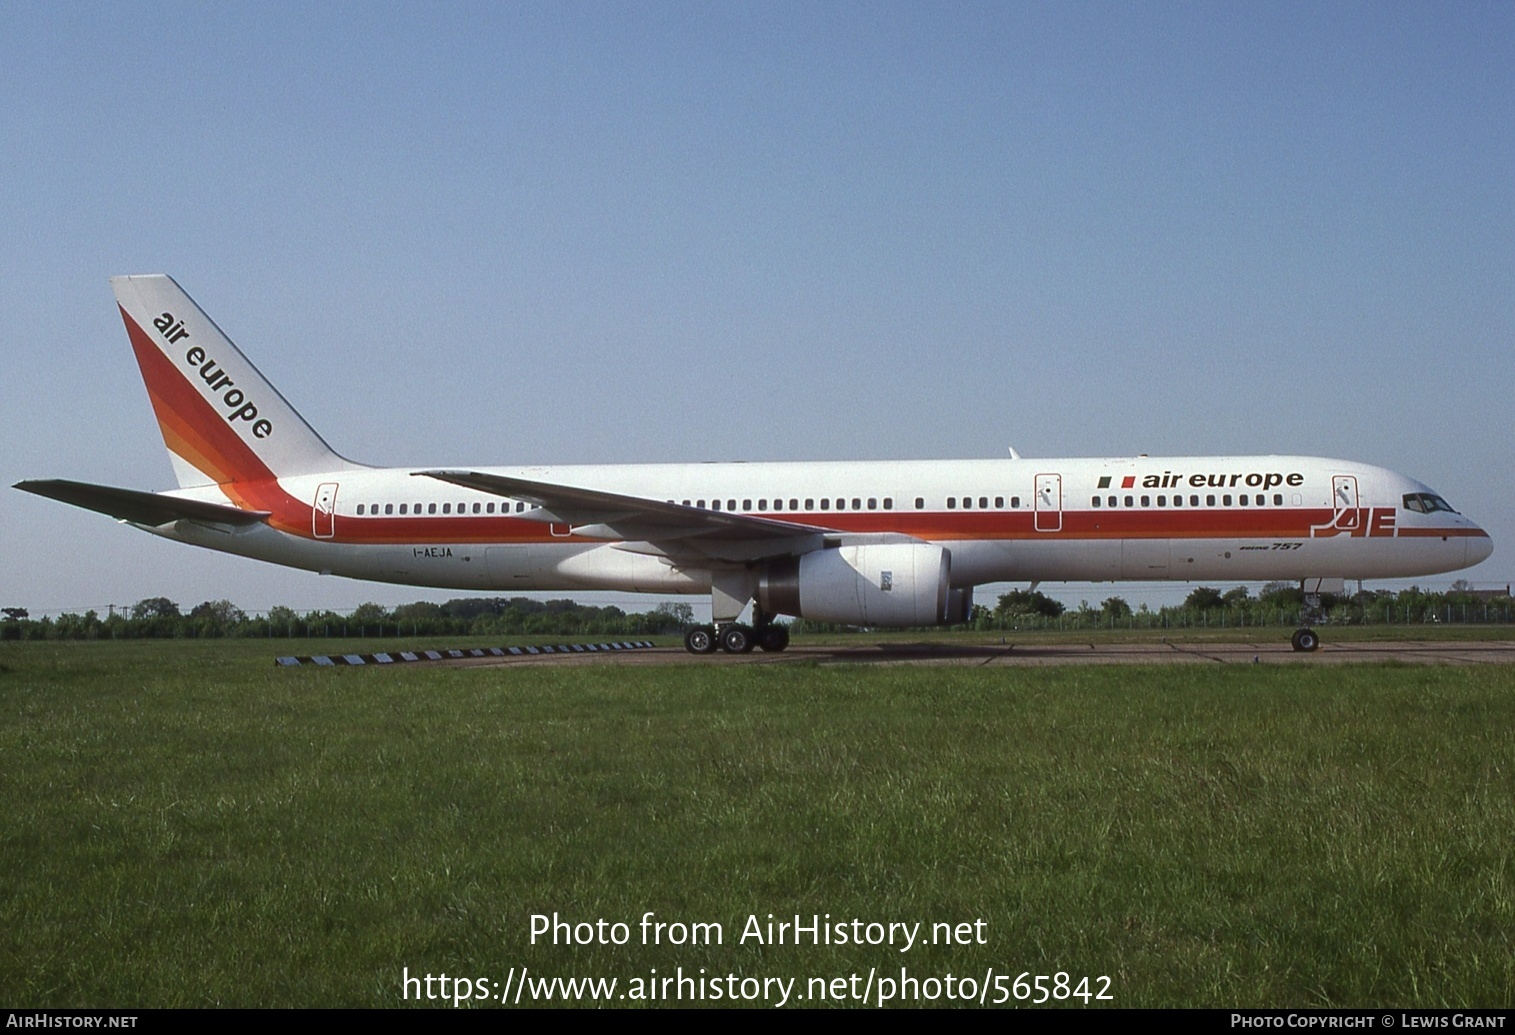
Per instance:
{"type": "Point", "coordinates": [1426, 503]}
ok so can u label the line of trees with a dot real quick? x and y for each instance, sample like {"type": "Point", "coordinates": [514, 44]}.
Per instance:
{"type": "Point", "coordinates": [1277, 604]}
{"type": "Point", "coordinates": [161, 618]}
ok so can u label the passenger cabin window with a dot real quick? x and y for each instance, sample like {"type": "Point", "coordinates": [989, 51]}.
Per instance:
{"type": "Point", "coordinates": [920, 503]}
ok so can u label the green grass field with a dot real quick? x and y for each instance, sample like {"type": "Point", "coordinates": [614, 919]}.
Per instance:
{"type": "Point", "coordinates": [183, 824]}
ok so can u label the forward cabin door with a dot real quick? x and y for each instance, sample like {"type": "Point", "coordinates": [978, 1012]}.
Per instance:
{"type": "Point", "coordinates": [323, 515]}
{"type": "Point", "coordinates": [1048, 503]}
{"type": "Point", "coordinates": [1344, 501]}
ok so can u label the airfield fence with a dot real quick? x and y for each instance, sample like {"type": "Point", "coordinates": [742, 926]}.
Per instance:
{"type": "Point", "coordinates": [1254, 617]}
{"type": "Point", "coordinates": [1379, 614]}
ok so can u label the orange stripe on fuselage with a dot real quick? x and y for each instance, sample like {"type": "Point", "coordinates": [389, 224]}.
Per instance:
{"type": "Point", "coordinates": [1443, 533]}
{"type": "Point", "coordinates": [939, 526]}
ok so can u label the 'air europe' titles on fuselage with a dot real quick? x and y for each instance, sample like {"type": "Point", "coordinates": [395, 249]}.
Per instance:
{"type": "Point", "coordinates": [1170, 480]}
{"type": "Point", "coordinates": [232, 397]}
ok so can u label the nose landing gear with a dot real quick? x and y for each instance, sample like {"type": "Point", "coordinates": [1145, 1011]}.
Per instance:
{"type": "Point", "coordinates": [1306, 638]}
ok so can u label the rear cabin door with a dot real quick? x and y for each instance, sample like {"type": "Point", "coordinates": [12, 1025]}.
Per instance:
{"type": "Point", "coordinates": [323, 516]}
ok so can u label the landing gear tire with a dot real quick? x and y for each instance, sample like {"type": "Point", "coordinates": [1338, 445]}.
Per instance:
{"type": "Point", "coordinates": [737, 639]}
{"type": "Point", "coordinates": [773, 638]}
{"type": "Point", "coordinates": [1306, 640]}
{"type": "Point", "coordinates": [700, 640]}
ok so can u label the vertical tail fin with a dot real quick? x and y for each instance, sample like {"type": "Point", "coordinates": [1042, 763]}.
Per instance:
{"type": "Point", "coordinates": [221, 419]}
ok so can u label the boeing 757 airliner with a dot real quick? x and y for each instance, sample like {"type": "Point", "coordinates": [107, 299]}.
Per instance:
{"type": "Point", "coordinates": [898, 543]}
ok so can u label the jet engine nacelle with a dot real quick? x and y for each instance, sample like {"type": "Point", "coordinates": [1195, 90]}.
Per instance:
{"type": "Point", "coordinates": [872, 584]}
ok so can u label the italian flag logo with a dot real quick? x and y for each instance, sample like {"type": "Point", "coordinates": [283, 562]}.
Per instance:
{"type": "Point", "coordinates": [1128, 482]}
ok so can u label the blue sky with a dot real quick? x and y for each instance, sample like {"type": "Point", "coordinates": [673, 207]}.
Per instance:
{"type": "Point", "coordinates": [600, 233]}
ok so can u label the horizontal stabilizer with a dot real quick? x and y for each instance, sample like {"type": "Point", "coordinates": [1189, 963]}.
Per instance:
{"type": "Point", "coordinates": [140, 508]}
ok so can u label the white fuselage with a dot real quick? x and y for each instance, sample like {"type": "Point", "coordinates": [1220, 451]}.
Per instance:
{"type": "Point", "coordinates": [1182, 518]}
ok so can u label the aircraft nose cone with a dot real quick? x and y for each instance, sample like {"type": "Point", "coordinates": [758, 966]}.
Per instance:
{"type": "Point", "coordinates": [1479, 549]}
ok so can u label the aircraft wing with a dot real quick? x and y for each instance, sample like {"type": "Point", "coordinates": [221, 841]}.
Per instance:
{"type": "Point", "coordinates": [140, 508]}
{"type": "Point", "coordinates": [667, 526]}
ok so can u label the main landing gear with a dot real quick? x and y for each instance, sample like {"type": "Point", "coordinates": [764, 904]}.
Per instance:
{"type": "Point", "coordinates": [700, 640]}
{"type": "Point", "coordinates": [736, 638]}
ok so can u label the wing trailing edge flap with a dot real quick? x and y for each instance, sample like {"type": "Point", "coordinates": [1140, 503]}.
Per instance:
{"type": "Point", "coordinates": [742, 552]}
{"type": "Point", "coordinates": [142, 508]}
{"type": "Point", "coordinates": [649, 526]}
{"type": "Point", "coordinates": [699, 552]}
